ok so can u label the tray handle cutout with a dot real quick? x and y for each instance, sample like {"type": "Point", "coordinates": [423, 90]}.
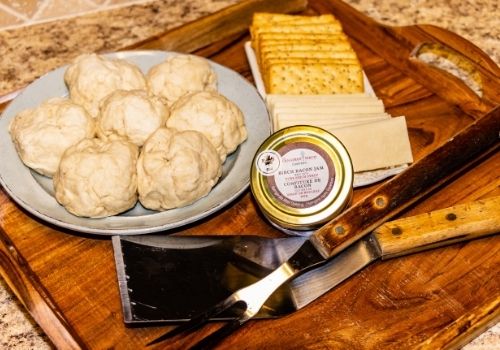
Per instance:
{"type": "Point", "coordinates": [452, 62]}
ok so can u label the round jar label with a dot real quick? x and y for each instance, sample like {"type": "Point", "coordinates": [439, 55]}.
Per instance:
{"type": "Point", "coordinates": [268, 162]}
{"type": "Point", "coordinates": [304, 176]}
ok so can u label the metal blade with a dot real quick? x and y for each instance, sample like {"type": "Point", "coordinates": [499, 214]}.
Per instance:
{"type": "Point", "coordinates": [169, 279]}
{"type": "Point", "coordinates": [311, 285]}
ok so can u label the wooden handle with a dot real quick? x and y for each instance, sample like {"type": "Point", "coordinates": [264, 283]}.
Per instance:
{"type": "Point", "coordinates": [423, 176]}
{"type": "Point", "coordinates": [438, 228]}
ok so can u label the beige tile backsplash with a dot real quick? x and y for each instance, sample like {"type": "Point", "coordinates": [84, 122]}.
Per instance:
{"type": "Point", "coordinates": [16, 13]}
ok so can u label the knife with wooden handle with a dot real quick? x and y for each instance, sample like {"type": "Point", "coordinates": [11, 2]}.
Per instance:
{"type": "Point", "coordinates": [252, 255]}
{"type": "Point", "coordinates": [405, 236]}
{"type": "Point", "coordinates": [399, 237]}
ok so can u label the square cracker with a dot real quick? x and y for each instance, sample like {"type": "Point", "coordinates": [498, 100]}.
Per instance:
{"type": "Point", "coordinates": [263, 18]}
{"type": "Point", "coordinates": [301, 36]}
{"type": "Point", "coordinates": [314, 79]}
{"type": "Point", "coordinates": [308, 61]}
{"type": "Point", "coordinates": [308, 54]}
{"type": "Point", "coordinates": [305, 46]}
{"type": "Point", "coordinates": [328, 28]}
{"type": "Point", "coordinates": [267, 39]}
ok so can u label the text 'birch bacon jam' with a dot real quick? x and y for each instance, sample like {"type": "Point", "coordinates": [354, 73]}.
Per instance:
{"type": "Point", "coordinates": [301, 178]}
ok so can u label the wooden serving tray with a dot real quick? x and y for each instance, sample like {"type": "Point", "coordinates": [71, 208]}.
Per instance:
{"type": "Point", "coordinates": [436, 299]}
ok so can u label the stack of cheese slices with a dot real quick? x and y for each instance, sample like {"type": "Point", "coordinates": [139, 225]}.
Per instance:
{"type": "Point", "coordinates": [312, 76]}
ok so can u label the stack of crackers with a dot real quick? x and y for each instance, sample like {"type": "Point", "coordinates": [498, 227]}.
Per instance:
{"type": "Point", "coordinates": [312, 76]}
{"type": "Point", "coordinates": [305, 55]}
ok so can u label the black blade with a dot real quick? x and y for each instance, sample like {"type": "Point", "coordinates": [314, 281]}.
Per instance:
{"type": "Point", "coordinates": [172, 279]}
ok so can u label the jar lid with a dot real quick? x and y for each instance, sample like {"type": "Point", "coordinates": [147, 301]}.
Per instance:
{"type": "Point", "coordinates": [301, 177]}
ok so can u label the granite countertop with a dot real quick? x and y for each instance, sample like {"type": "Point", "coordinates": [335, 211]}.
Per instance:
{"type": "Point", "coordinates": [31, 51]}
{"type": "Point", "coordinates": [36, 50]}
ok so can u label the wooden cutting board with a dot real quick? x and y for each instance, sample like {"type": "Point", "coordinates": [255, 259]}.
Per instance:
{"type": "Point", "coordinates": [436, 299]}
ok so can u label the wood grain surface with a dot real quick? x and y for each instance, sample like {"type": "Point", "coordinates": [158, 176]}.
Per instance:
{"type": "Point", "coordinates": [436, 299]}
{"type": "Point", "coordinates": [439, 227]}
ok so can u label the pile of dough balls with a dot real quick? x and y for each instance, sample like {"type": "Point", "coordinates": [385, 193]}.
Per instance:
{"type": "Point", "coordinates": [123, 136]}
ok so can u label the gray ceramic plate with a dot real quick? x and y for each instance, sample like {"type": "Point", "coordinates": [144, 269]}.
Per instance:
{"type": "Point", "coordinates": [35, 193]}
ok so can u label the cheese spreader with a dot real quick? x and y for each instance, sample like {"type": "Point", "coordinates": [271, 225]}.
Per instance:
{"type": "Point", "coordinates": [170, 279]}
{"type": "Point", "coordinates": [390, 198]}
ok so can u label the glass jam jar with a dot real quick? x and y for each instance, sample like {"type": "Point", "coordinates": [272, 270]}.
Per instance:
{"type": "Point", "coordinates": [301, 178]}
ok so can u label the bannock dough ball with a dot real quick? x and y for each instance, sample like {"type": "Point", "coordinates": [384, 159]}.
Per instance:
{"type": "Point", "coordinates": [179, 75]}
{"type": "Point", "coordinates": [41, 135]}
{"type": "Point", "coordinates": [131, 114]}
{"type": "Point", "coordinates": [210, 113]}
{"type": "Point", "coordinates": [175, 168]}
{"type": "Point", "coordinates": [97, 178]}
{"type": "Point", "coordinates": [90, 78]}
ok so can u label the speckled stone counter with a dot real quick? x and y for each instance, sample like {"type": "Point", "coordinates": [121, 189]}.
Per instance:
{"type": "Point", "coordinates": [32, 51]}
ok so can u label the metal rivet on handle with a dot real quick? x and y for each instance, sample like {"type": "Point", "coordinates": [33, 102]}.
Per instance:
{"type": "Point", "coordinates": [380, 202]}
{"type": "Point", "coordinates": [396, 231]}
{"type": "Point", "coordinates": [339, 230]}
{"type": "Point", "coordinates": [451, 217]}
